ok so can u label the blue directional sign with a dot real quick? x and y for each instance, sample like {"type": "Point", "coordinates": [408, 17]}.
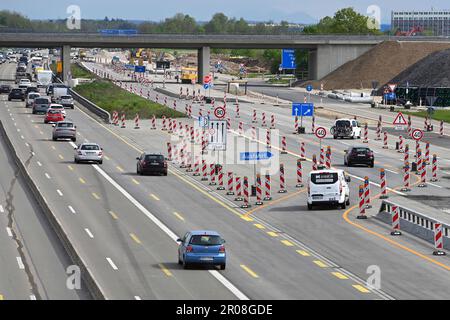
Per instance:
{"type": "Point", "coordinates": [288, 59]}
{"type": "Point", "coordinates": [206, 86]}
{"type": "Point", "coordinates": [203, 121]}
{"type": "Point", "coordinates": [130, 66]}
{"type": "Point", "coordinates": [252, 156]}
{"type": "Point", "coordinates": [303, 109]}
{"type": "Point", "coordinates": [139, 69]}
{"type": "Point", "coordinates": [309, 88]}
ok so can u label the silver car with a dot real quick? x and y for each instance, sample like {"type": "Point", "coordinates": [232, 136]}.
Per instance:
{"type": "Point", "coordinates": [41, 104]}
{"type": "Point", "coordinates": [88, 152]}
{"type": "Point", "coordinates": [30, 98]}
{"type": "Point", "coordinates": [64, 130]}
{"type": "Point", "coordinates": [66, 101]}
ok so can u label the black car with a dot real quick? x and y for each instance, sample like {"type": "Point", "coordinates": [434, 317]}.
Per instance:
{"type": "Point", "coordinates": [149, 163]}
{"type": "Point", "coordinates": [16, 94]}
{"type": "Point", "coordinates": [359, 155]}
{"type": "Point", "coordinates": [32, 89]}
{"type": "Point", "coordinates": [5, 88]}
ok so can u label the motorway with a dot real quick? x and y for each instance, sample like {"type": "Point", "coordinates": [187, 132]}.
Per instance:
{"type": "Point", "coordinates": [125, 225]}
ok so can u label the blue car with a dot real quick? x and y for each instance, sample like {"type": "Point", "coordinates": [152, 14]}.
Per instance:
{"type": "Point", "coordinates": [202, 247]}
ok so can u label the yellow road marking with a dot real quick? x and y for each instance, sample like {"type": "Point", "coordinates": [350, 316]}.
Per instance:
{"type": "Point", "coordinates": [259, 226]}
{"type": "Point", "coordinates": [249, 271]}
{"type": "Point", "coordinates": [41, 132]}
{"type": "Point", "coordinates": [320, 263]}
{"type": "Point", "coordinates": [53, 147]}
{"type": "Point", "coordinates": [303, 253]}
{"type": "Point", "coordinates": [178, 216]}
{"type": "Point", "coordinates": [154, 197]}
{"type": "Point", "coordinates": [272, 234]}
{"type": "Point", "coordinates": [135, 238]}
{"type": "Point", "coordinates": [360, 288]}
{"type": "Point", "coordinates": [82, 180]}
{"type": "Point", "coordinates": [119, 168]}
{"type": "Point", "coordinates": [1, 297]}
{"type": "Point", "coordinates": [70, 167]}
{"type": "Point", "coordinates": [135, 181]}
{"type": "Point", "coordinates": [165, 270]}
{"type": "Point", "coordinates": [106, 157]}
{"type": "Point", "coordinates": [61, 157]}
{"type": "Point", "coordinates": [339, 275]}
{"type": "Point", "coordinates": [274, 202]}
{"type": "Point", "coordinates": [287, 243]}
{"type": "Point", "coordinates": [244, 217]}
{"type": "Point", "coordinates": [114, 215]}
{"type": "Point", "coordinates": [95, 196]}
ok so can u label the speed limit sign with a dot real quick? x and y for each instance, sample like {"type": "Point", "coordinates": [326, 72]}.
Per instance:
{"type": "Point", "coordinates": [320, 132]}
{"type": "Point", "coordinates": [417, 134]}
{"type": "Point", "coordinates": [219, 112]}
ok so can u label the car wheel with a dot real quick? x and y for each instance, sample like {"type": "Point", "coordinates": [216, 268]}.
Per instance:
{"type": "Point", "coordinates": [54, 139]}
{"type": "Point", "coordinates": [335, 137]}
{"type": "Point", "coordinates": [185, 264]}
{"type": "Point", "coordinates": [165, 173]}
{"type": "Point", "coordinates": [343, 205]}
{"type": "Point", "coordinates": [222, 266]}
{"type": "Point", "coordinates": [74, 139]}
{"type": "Point", "coordinates": [75, 160]}
{"type": "Point", "coordinates": [179, 260]}
{"type": "Point", "coordinates": [310, 206]}
{"type": "Point", "coordinates": [348, 201]}
{"type": "Point", "coordinates": [100, 162]}
{"type": "Point", "coordinates": [9, 99]}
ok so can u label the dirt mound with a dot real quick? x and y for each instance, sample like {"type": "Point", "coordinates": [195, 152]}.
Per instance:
{"type": "Point", "coordinates": [382, 63]}
{"type": "Point", "coordinates": [431, 71]}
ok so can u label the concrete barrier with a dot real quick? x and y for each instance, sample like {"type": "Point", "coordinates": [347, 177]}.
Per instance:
{"type": "Point", "coordinates": [86, 274]}
{"type": "Point", "coordinates": [413, 222]}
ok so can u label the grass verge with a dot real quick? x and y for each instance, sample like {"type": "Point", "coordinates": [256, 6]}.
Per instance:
{"type": "Point", "coordinates": [437, 115]}
{"type": "Point", "coordinates": [76, 70]}
{"type": "Point", "coordinates": [112, 98]}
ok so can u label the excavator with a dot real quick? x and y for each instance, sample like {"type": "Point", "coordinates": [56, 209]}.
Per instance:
{"type": "Point", "coordinates": [411, 33]}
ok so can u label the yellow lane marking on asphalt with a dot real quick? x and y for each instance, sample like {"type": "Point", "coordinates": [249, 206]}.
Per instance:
{"type": "Point", "coordinates": [106, 157]}
{"type": "Point", "coordinates": [135, 238]}
{"type": "Point", "coordinates": [272, 234]}
{"type": "Point", "coordinates": [244, 217]}
{"type": "Point", "coordinates": [53, 147]}
{"type": "Point", "coordinates": [70, 167]}
{"type": "Point", "coordinates": [303, 253]}
{"type": "Point", "coordinates": [154, 197]}
{"type": "Point", "coordinates": [178, 216]}
{"type": "Point", "coordinates": [360, 288]}
{"type": "Point", "coordinates": [259, 226]}
{"type": "Point", "coordinates": [287, 243]}
{"type": "Point", "coordinates": [1, 297]}
{"type": "Point", "coordinates": [339, 275]}
{"type": "Point", "coordinates": [61, 157]}
{"type": "Point", "coordinates": [114, 215]}
{"type": "Point", "coordinates": [249, 271]}
{"type": "Point", "coordinates": [95, 196]}
{"type": "Point", "coordinates": [41, 132]}
{"type": "Point", "coordinates": [119, 168]}
{"type": "Point", "coordinates": [82, 180]}
{"type": "Point", "coordinates": [135, 181]}
{"type": "Point", "coordinates": [274, 202]}
{"type": "Point", "coordinates": [320, 263]}
{"type": "Point", "coordinates": [165, 270]}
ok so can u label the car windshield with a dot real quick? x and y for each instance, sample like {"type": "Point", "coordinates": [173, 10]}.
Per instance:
{"type": "Point", "coordinates": [361, 150]}
{"type": "Point", "coordinates": [41, 101]}
{"type": "Point", "coordinates": [16, 90]}
{"type": "Point", "coordinates": [57, 107]}
{"type": "Point", "coordinates": [66, 97]}
{"type": "Point", "coordinates": [32, 96]}
{"type": "Point", "coordinates": [90, 147]}
{"type": "Point", "coordinates": [154, 157]}
{"type": "Point", "coordinates": [65, 125]}
{"type": "Point", "coordinates": [342, 123]}
{"type": "Point", "coordinates": [206, 240]}
{"type": "Point", "coordinates": [54, 111]}
{"type": "Point", "coordinates": [324, 178]}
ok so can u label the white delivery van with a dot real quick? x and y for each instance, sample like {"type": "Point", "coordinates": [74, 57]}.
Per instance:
{"type": "Point", "coordinates": [44, 78]}
{"type": "Point", "coordinates": [328, 187]}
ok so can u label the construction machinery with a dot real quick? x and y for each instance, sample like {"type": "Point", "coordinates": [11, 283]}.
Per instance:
{"type": "Point", "coordinates": [411, 33]}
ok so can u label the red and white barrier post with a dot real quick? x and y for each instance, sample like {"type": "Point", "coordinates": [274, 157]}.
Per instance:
{"type": "Point", "coordinates": [164, 127]}
{"type": "Point", "coordinates": [212, 174]}
{"type": "Point", "coordinates": [423, 174]}
{"type": "Point", "coordinates": [400, 144]}
{"type": "Point", "coordinates": [268, 144]}
{"type": "Point", "coordinates": [153, 127]}
{"type": "Point", "coordinates": [434, 169]}
{"type": "Point", "coordinates": [204, 171]}
{"type": "Point", "coordinates": [296, 125]}
{"type": "Point", "coordinates": [272, 121]}
{"type": "Point", "coordinates": [328, 158]}
{"type": "Point", "coordinates": [263, 121]}
{"type": "Point", "coordinates": [230, 184]}
{"type": "Point", "coordinates": [383, 184]}
{"type": "Point", "coordinates": [378, 130]}
{"type": "Point", "coordinates": [362, 207]}
{"type": "Point", "coordinates": [313, 124]}
{"type": "Point", "coordinates": [258, 190]}
{"type": "Point", "coordinates": [299, 174]}
{"type": "Point", "coordinates": [246, 203]}
{"type": "Point", "coordinates": [385, 140]}
{"type": "Point", "coordinates": [254, 116]}
{"type": "Point", "coordinates": [238, 189]}
{"type": "Point", "coordinates": [169, 151]}
{"type": "Point", "coordinates": [314, 163]}
{"type": "Point", "coordinates": [366, 134]}
{"type": "Point", "coordinates": [237, 111]}
{"type": "Point", "coordinates": [123, 120]}
{"type": "Point", "coordinates": [367, 192]}
{"type": "Point", "coordinates": [283, 145]}
{"type": "Point", "coordinates": [196, 166]}
{"type": "Point", "coordinates": [282, 180]}
{"type": "Point", "coordinates": [268, 196]}
{"type": "Point", "coordinates": [395, 221]}
{"type": "Point", "coordinates": [438, 240]}
{"type": "Point", "coordinates": [427, 153]}
{"type": "Point", "coordinates": [408, 128]}
{"type": "Point", "coordinates": [220, 178]}
{"type": "Point", "coordinates": [241, 128]}
{"type": "Point", "coordinates": [441, 129]}
{"type": "Point", "coordinates": [302, 151]}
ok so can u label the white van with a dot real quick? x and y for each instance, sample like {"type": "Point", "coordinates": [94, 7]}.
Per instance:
{"type": "Point", "coordinates": [328, 187]}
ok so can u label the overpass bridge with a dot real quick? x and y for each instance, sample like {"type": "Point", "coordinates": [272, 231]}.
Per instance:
{"type": "Point", "coordinates": [326, 52]}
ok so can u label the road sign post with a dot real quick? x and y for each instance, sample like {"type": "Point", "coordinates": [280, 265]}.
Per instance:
{"type": "Point", "coordinates": [302, 110]}
{"type": "Point", "coordinates": [320, 133]}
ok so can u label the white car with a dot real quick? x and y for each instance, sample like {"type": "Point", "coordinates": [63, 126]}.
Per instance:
{"type": "Point", "coordinates": [328, 187]}
{"type": "Point", "coordinates": [346, 128]}
{"type": "Point", "coordinates": [25, 82]}
{"type": "Point", "coordinates": [56, 106]}
{"type": "Point", "coordinates": [30, 98]}
{"type": "Point", "coordinates": [86, 152]}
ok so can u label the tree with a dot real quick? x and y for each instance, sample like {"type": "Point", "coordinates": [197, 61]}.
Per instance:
{"type": "Point", "coordinates": [217, 24]}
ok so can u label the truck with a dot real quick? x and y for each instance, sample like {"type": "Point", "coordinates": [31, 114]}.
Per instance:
{"type": "Point", "coordinates": [44, 78]}
{"type": "Point", "coordinates": [58, 92]}
{"type": "Point", "coordinates": [346, 128]}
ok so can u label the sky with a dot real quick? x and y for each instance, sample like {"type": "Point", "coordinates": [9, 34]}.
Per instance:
{"type": "Point", "coordinates": [202, 10]}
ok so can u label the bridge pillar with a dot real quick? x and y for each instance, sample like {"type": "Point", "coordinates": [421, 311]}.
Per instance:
{"type": "Point", "coordinates": [203, 56]}
{"type": "Point", "coordinates": [312, 64]}
{"type": "Point", "coordinates": [65, 57]}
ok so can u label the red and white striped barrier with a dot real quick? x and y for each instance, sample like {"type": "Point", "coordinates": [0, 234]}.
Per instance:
{"type": "Point", "coordinates": [200, 112]}
{"type": "Point", "coordinates": [302, 150]}
{"type": "Point", "coordinates": [272, 121]}
{"type": "Point", "coordinates": [282, 181]}
{"type": "Point", "coordinates": [423, 174]}
{"type": "Point", "coordinates": [362, 207]}
{"type": "Point", "coordinates": [169, 151]}
{"type": "Point", "coordinates": [378, 132]}
{"type": "Point", "coordinates": [254, 133]}
{"type": "Point", "coordinates": [164, 127]}
{"type": "Point", "coordinates": [196, 166]}
{"type": "Point", "coordinates": [263, 122]}
{"type": "Point", "coordinates": [165, 101]}
{"type": "Point", "coordinates": [383, 185]}
{"type": "Point", "coordinates": [395, 221]}
{"type": "Point", "coordinates": [268, 196]}
{"type": "Point", "coordinates": [228, 123]}
{"type": "Point", "coordinates": [434, 169]}
{"type": "Point", "coordinates": [367, 192]}
{"type": "Point", "coordinates": [366, 134]}
{"type": "Point", "coordinates": [230, 185]}
{"type": "Point", "coordinates": [204, 151]}
{"type": "Point", "coordinates": [192, 134]}
{"type": "Point", "coordinates": [438, 240]}
{"type": "Point", "coordinates": [238, 189]}
{"type": "Point", "coordinates": [212, 174]}
{"type": "Point", "coordinates": [313, 124]}
{"type": "Point", "coordinates": [237, 111]}
{"type": "Point", "coordinates": [408, 128]}
{"type": "Point", "coordinates": [314, 163]}
{"type": "Point", "coordinates": [283, 145]}
{"type": "Point", "coordinates": [400, 144]}
{"type": "Point", "coordinates": [268, 143]}
{"type": "Point", "coordinates": [246, 203]}
{"type": "Point", "coordinates": [174, 104]}
{"type": "Point", "coordinates": [295, 125]}
{"type": "Point", "coordinates": [322, 157]}
{"type": "Point", "coordinates": [220, 178]}
{"type": "Point", "coordinates": [406, 178]}
{"type": "Point", "coordinates": [328, 158]}
{"type": "Point", "coordinates": [427, 153]}
{"type": "Point", "coordinates": [419, 159]}
{"type": "Point", "coordinates": [385, 140]}
{"type": "Point", "coordinates": [153, 127]}
{"type": "Point", "coordinates": [171, 129]}
{"type": "Point", "coordinates": [417, 149]}
{"type": "Point", "coordinates": [254, 116]}
{"type": "Point", "coordinates": [299, 174]}
{"type": "Point", "coordinates": [189, 161]}
{"type": "Point", "coordinates": [157, 98]}
{"type": "Point", "coordinates": [181, 92]}
{"type": "Point", "coordinates": [204, 171]}
{"type": "Point", "coordinates": [258, 190]}
{"type": "Point", "coordinates": [441, 128]}
{"type": "Point", "coordinates": [123, 120]}
{"type": "Point", "coordinates": [190, 111]}
{"type": "Point", "coordinates": [241, 128]}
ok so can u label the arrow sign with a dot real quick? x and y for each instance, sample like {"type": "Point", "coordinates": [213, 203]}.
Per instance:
{"type": "Point", "coordinates": [400, 120]}
{"type": "Point", "coordinates": [255, 156]}
{"type": "Point", "coordinates": [302, 109]}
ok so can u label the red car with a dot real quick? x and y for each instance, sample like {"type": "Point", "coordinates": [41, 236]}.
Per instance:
{"type": "Point", "coordinates": [53, 116]}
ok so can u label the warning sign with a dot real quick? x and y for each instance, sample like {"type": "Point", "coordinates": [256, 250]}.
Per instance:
{"type": "Point", "coordinates": [400, 120]}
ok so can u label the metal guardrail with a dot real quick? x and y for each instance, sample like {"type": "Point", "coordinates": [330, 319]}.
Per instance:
{"type": "Point", "coordinates": [414, 222]}
{"type": "Point", "coordinates": [105, 115]}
